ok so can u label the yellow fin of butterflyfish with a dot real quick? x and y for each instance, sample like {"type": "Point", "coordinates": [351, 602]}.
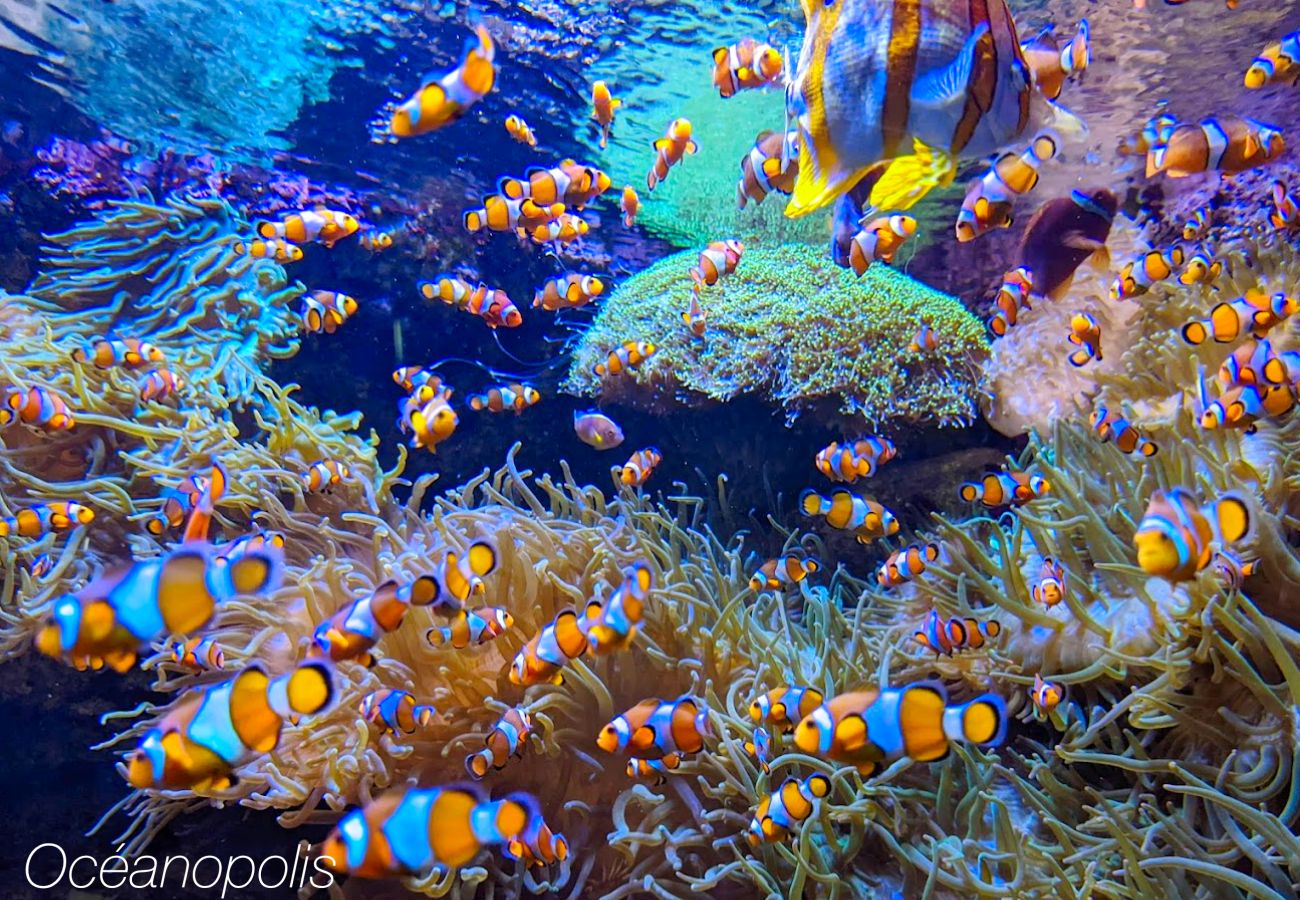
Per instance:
{"type": "Point", "coordinates": [909, 178]}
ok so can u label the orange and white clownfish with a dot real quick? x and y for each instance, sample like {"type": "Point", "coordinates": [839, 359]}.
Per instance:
{"type": "Point", "coordinates": [654, 770]}
{"type": "Point", "coordinates": [904, 565]}
{"type": "Point", "coordinates": [1176, 538]}
{"type": "Point", "coordinates": [784, 572]}
{"type": "Point", "coordinates": [1155, 132]}
{"type": "Point", "coordinates": [210, 731]}
{"type": "Point", "coordinates": [784, 707]}
{"type": "Point", "coordinates": [989, 201]}
{"type": "Point", "coordinates": [159, 384]}
{"type": "Point", "coordinates": [324, 311]}
{"type": "Point", "coordinates": [657, 728]}
{"type": "Point", "coordinates": [951, 635]}
{"type": "Point", "coordinates": [1112, 427]}
{"type": "Point", "coordinates": [1255, 312]}
{"type": "Point", "coordinates": [639, 467]}
{"type": "Point", "coordinates": [1233, 570]}
{"type": "Point", "coordinates": [569, 291]}
{"type": "Point", "coordinates": [1050, 64]}
{"type": "Point", "coordinates": [179, 502]}
{"type": "Point", "coordinates": [998, 489]}
{"type": "Point", "coordinates": [409, 378]}
{"type": "Point", "coordinates": [325, 226]}
{"type": "Point", "coordinates": [1046, 695]}
{"type": "Point", "coordinates": [506, 740]}
{"type": "Point", "coordinates": [1280, 60]}
{"type": "Point", "coordinates": [1243, 405]}
{"type": "Point", "coordinates": [879, 240]}
{"type": "Point", "coordinates": [538, 845]}
{"type": "Point", "coordinates": [503, 214]}
{"type": "Point", "coordinates": [395, 712]}
{"type": "Point", "coordinates": [924, 340]}
{"type": "Point", "coordinates": [444, 97]}
{"type": "Point", "coordinates": [1201, 269]}
{"type": "Point", "coordinates": [324, 475]}
{"type": "Point", "coordinates": [1285, 215]}
{"type": "Point", "coordinates": [542, 658]}
{"type": "Point", "coordinates": [1085, 333]}
{"type": "Point", "coordinates": [669, 151]}
{"type": "Point", "coordinates": [513, 397]}
{"type": "Point", "coordinates": [276, 249]}
{"type": "Point", "coordinates": [630, 205]}
{"type": "Point", "coordinates": [603, 107]}
{"type": "Point", "coordinates": [719, 258]}
{"type": "Point", "coordinates": [564, 230]}
{"type": "Point", "coordinates": [694, 317]}
{"type": "Point", "coordinates": [518, 129]}
{"type": "Point", "coordinates": [373, 240]}
{"type": "Point", "coordinates": [1013, 296]}
{"type": "Point", "coordinates": [494, 307]}
{"type": "Point", "coordinates": [846, 511]}
{"type": "Point", "coordinates": [759, 746]}
{"type": "Point", "coordinates": [1227, 143]}
{"type": "Point", "coordinates": [471, 626]}
{"type": "Point", "coordinates": [869, 728]}
{"type": "Point", "coordinates": [571, 183]}
{"type": "Point", "coordinates": [772, 164]}
{"type": "Point", "coordinates": [1198, 224]}
{"type": "Point", "coordinates": [625, 358]}
{"type": "Point", "coordinates": [781, 811]}
{"type": "Point", "coordinates": [1257, 363]}
{"type": "Point", "coordinates": [1049, 590]}
{"type": "Point", "coordinates": [249, 543]}
{"type": "Point", "coordinates": [46, 518]}
{"type": "Point", "coordinates": [36, 406]}
{"type": "Point", "coordinates": [130, 353]}
{"type": "Point", "coordinates": [199, 654]}
{"type": "Point", "coordinates": [746, 65]}
{"type": "Point", "coordinates": [612, 624]}
{"type": "Point", "coordinates": [1137, 276]}
{"type": "Point", "coordinates": [415, 832]}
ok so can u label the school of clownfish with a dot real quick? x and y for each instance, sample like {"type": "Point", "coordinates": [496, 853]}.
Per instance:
{"type": "Point", "coordinates": [214, 729]}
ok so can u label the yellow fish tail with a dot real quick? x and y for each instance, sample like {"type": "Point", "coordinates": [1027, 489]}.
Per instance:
{"type": "Point", "coordinates": [909, 178]}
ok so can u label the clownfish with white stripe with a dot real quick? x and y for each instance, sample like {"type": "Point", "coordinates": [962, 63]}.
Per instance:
{"type": "Point", "coordinates": [612, 624]}
{"type": "Point", "coordinates": [784, 707]}
{"type": "Point", "coordinates": [570, 291]}
{"type": "Point", "coordinates": [948, 637]}
{"type": "Point", "coordinates": [1177, 537]}
{"type": "Point", "coordinates": [1198, 224]}
{"type": "Point", "coordinates": [1138, 275]}
{"type": "Point", "coordinates": [1085, 333]}
{"type": "Point", "coordinates": [781, 811]}
{"type": "Point", "coordinates": [906, 564]}
{"type": "Point", "coordinates": [324, 475]}
{"type": "Point", "coordinates": [657, 728]}
{"type": "Point", "coordinates": [878, 241]}
{"type": "Point", "coordinates": [669, 151]}
{"type": "Point", "coordinates": [745, 66]}
{"type": "Point", "coordinates": [760, 747]}
{"type": "Point", "coordinates": [130, 354]}
{"type": "Point", "coordinates": [159, 384]}
{"type": "Point", "coordinates": [542, 658]}
{"type": "Point", "coordinates": [36, 406]}
{"type": "Point", "coordinates": [694, 317]}
{"type": "Point", "coordinates": [1227, 143]}
{"type": "Point", "coordinates": [46, 518]}
{"type": "Point", "coordinates": [325, 226]}
{"type": "Point", "coordinates": [719, 258]}
{"type": "Point", "coordinates": [538, 845]}
{"type": "Point", "coordinates": [1279, 61]}
{"type": "Point", "coordinates": [989, 201]}
{"type": "Point", "coordinates": [277, 249]}
{"type": "Point", "coordinates": [869, 728]}
{"type": "Point", "coordinates": [771, 165]}
{"type": "Point", "coordinates": [1049, 590]}
{"type": "Point", "coordinates": [1285, 215]}
{"type": "Point", "coordinates": [653, 770]}
{"type": "Point", "coordinates": [1233, 570]}
{"type": "Point", "coordinates": [849, 462]}
{"type": "Point", "coordinates": [846, 511]}
{"type": "Point", "coordinates": [1046, 695]}
{"type": "Point", "coordinates": [1051, 64]}
{"type": "Point", "coordinates": [1012, 297]}
{"type": "Point", "coordinates": [514, 398]}
{"type": "Point", "coordinates": [570, 183]}
{"type": "Point", "coordinates": [1112, 427]}
{"type": "Point", "coordinates": [1201, 269]}
{"type": "Point", "coordinates": [325, 311]}
{"type": "Point", "coordinates": [506, 741]}
{"type": "Point", "coordinates": [518, 129]}
{"type": "Point", "coordinates": [998, 489]}
{"type": "Point", "coordinates": [638, 468]}
{"type": "Point", "coordinates": [1254, 312]}
{"type": "Point", "coordinates": [503, 214]}
{"type": "Point", "coordinates": [199, 654]}
{"type": "Point", "coordinates": [443, 98]}
{"type": "Point", "coordinates": [395, 712]}
{"type": "Point", "coordinates": [627, 357]}
{"type": "Point", "coordinates": [472, 626]}
{"type": "Point", "coordinates": [784, 573]}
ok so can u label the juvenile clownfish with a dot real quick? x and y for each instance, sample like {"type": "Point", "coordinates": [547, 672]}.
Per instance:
{"type": "Point", "coordinates": [716, 260]}
{"type": "Point", "coordinates": [989, 201]}
{"type": "Point", "coordinates": [46, 518]}
{"type": "Point", "coordinates": [40, 566]}
{"type": "Point", "coordinates": [570, 291]}
{"type": "Point", "coordinates": [846, 511]}
{"type": "Point", "coordinates": [444, 98]}
{"type": "Point", "coordinates": [784, 707]}
{"type": "Point", "coordinates": [612, 624]}
{"type": "Point", "coordinates": [760, 747]}
{"type": "Point", "coordinates": [542, 658]}
{"type": "Point", "coordinates": [771, 165]}
{"type": "Point", "coordinates": [1138, 275]}
{"type": "Point", "coordinates": [518, 129]}
{"type": "Point", "coordinates": [1013, 296]}
{"type": "Point", "coordinates": [408, 378]}
{"type": "Point", "coordinates": [199, 654]}
{"type": "Point", "coordinates": [1232, 570]}
{"type": "Point", "coordinates": [1198, 224]}
{"type": "Point", "coordinates": [326, 226]}
{"type": "Point", "coordinates": [494, 307]}
{"type": "Point", "coordinates": [36, 406]}
{"type": "Point", "coordinates": [746, 65]}
{"type": "Point", "coordinates": [1255, 312]}
{"type": "Point", "coordinates": [325, 311]}
{"type": "Point", "coordinates": [603, 107]}
{"type": "Point", "coordinates": [472, 626]}
{"type": "Point", "coordinates": [570, 183]}
{"type": "Point", "coordinates": [1050, 64]}
{"type": "Point", "coordinates": [1227, 143]}
{"type": "Point", "coordinates": [639, 467]}
{"type": "Point", "coordinates": [1062, 235]}
{"type": "Point", "coordinates": [906, 564]}
{"type": "Point", "coordinates": [209, 732]}
{"type": "Point", "coordinates": [669, 151]}
{"type": "Point", "coordinates": [947, 637]}
{"type": "Point", "coordinates": [999, 489]}
{"type": "Point", "coordinates": [1112, 427]}
{"type": "Point", "coordinates": [372, 240]}
{"type": "Point", "coordinates": [277, 249]}
{"type": "Point", "coordinates": [395, 712]}
{"type": "Point", "coordinates": [656, 770]}
{"type": "Point", "coordinates": [506, 740]}
{"type": "Point", "coordinates": [694, 317]}
{"type": "Point", "coordinates": [414, 832]}
{"type": "Point", "coordinates": [429, 418]}
{"type": "Point", "coordinates": [130, 353]}
{"type": "Point", "coordinates": [324, 475]}
{"type": "Point", "coordinates": [657, 728]}
{"type": "Point", "coordinates": [1201, 269]}
{"type": "Point", "coordinates": [848, 463]}
{"type": "Point", "coordinates": [566, 229]}
{"type": "Point", "coordinates": [597, 430]}
{"type": "Point", "coordinates": [924, 340]}
{"type": "Point", "coordinates": [780, 812]}
{"type": "Point", "coordinates": [538, 845]}
{"type": "Point", "coordinates": [502, 214]}
{"type": "Point", "coordinates": [630, 205]}
{"type": "Point", "coordinates": [1050, 587]}
{"type": "Point", "coordinates": [1286, 205]}
{"type": "Point", "coordinates": [784, 572]}
{"type": "Point", "coordinates": [868, 728]}
{"type": "Point", "coordinates": [1175, 539]}
{"type": "Point", "coordinates": [1278, 61]}
{"type": "Point", "coordinates": [1085, 333]}
{"type": "Point", "coordinates": [625, 358]}
{"type": "Point", "coordinates": [177, 503]}
{"type": "Point", "coordinates": [513, 397]}
{"type": "Point", "coordinates": [878, 241]}
{"type": "Point", "coordinates": [159, 384]}
{"type": "Point", "coordinates": [1047, 695]}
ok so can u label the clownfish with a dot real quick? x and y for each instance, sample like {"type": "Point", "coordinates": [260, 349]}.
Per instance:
{"type": "Point", "coordinates": [538, 845]}
{"type": "Point", "coordinates": [1232, 570]}
{"type": "Point", "coordinates": [603, 107]}
{"type": "Point", "coordinates": [716, 260]}
{"type": "Point", "coordinates": [771, 165]}
{"type": "Point", "coordinates": [428, 416]}
{"type": "Point", "coordinates": [250, 542]}
{"type": "Point", "coordinates": [549, 650]}
{"type": "Point", "coordinates": [324, 475]}
{"type": "Point", "coordinates": [36, 406]}
{"type": "Point", "coordinates": [630, 205]}
{"type": "Point", "coordinates": [1198, 224]}
{"type": "Point", "coordinates": [694, 317]}
{"type": "Point", "coordinates": [1256, 363]}
{"type": "Point", "coordinates": [199, 654]}
{"type": "Point", "coordinates": [46, 518]}
{"type": "Point", "coordinates": [518, 129]}
{"type": "Point", "coordinates": [1255, 312]}
{"type": "Point", "coordinates": [472, 626]}
{"type": "Point", "coordinates": [506, 740]}
{"type": "Point", "coordinates": [40, 565]}
{"type": "Point", "coordinates": [570, 183]}
{"type": "Point", "coordinates": [999, 489]}
{"type": "Point", "coordinates": [325, 311]}
{"type": "Point", "coordinates": [746, 65]}
{"type": "Point", "coordinates": [131, 353]}
{"type": "Point", "coordinates": [159, 384]}
{"type": "Point", "coordinates": [1241, 406]}
{"type": "Point", "coordinates": [1014, 295]}
{"type": "Point", "coordinates": [669, 151]}
{"type": "Point", "coordinates": [781, 811]}
{"type": "Point", "coordinates": [1085, 333]}
{"type": "Point", "coordinates": [373, 240]}
{"type": "Point", "coordinates": [177, 503]}
{"type": "Point", "coordinates": [325, 226]}
{"type": "Point", "coordinates": [785, 707]}
{"type": "Point", "coordinates": [784, 572]}
{"type": "Point", "coordinates": [988, 202]}
{"type": "Point", "coordinates": [1138, 275]}
{"type": "Point", "coordinates": [502, 214]}
{"type": "Point", "coordinates": [625, 358]}
{"type": "Point", "coordinates": [947, 637]}
{"type": "Point", "coordinates": [278, 249]}
{"type": "Point", "coordinates": [1050, 64]}
{"type": "Point", "coordinates": [597, 430]}
{"type": "Point", "coordinates": [395, 712]}
{"type": "Point", "coordinates": [1227, 143]}
{"type": "Point", "coordinates": [639, 467]}
{"type": "Point", "coordinates": [1286, 206]}
{"type": "Point", "coordinates": [1279, 60]}
{"type": "Point", "coordinates": [924, 339]}
{"type": "Point", "coordinates": [569, 291]}
{"type": "Point", "coordinates": [442, 98]}
{"type": "Point", "coordinates": [1200, 269]}
{"type": "Point", "coordinates": [612, 624]}
{"type": "Point", "coordinates": [657, 728]}
{"type": "Point", "coordinates": [566, 229]}
{"type": "Point", "coordinates": [1175, 539]}
{"type": "Point", "coordinates": [655, 770]}
{"type": "Point", "coordinates": [1046, 695]}
{"type": "Point", "coordinates": [1112, 427]}
{"type": "Point", "coordinates": [878, 241]}
{"type": "Point", "coordinates": [408, 378]}
{"type": "Point", "coordinates": [414, 832]}
{"type": "Point", "coordinates": [210, 731]}
{"type": "Point", "coordinates": [513, 397]}
{"type": "Point", "coordinates": [494, 307]}
{"type": "Point", "coordinates": [904, 565]}
{"type": "Point", "coordinates": [1155, 131]}
{"type": "Point", "coordinates": [760, 747]}
{"type": "Point", "coordinates": [868, 728]}
{"type": "Point", "coordinates": [846, 511]}
{"type": "Point", "coordinates": [1050, 588]}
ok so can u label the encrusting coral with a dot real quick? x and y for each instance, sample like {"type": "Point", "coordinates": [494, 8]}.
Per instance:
{"type": "Point", "coordinates": [794, 329]}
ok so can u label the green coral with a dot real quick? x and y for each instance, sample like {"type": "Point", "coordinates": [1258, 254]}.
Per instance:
{"type": "Point", "coordinates": [790, 326]}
